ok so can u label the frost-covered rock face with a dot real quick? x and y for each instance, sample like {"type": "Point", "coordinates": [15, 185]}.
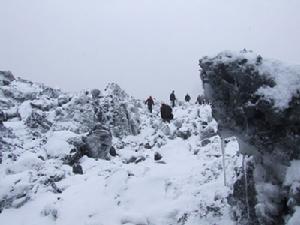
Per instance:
{"type": "Point", "coordinates": [259, 100]}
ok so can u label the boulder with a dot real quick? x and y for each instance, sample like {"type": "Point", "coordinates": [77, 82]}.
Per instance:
{"type": "Point", "coordinates": [99, 142]}
{"type": "Point", "coordinates": [96, 93]}
{"type": "Point", "coordinates": [77, 169]}
{"type": "Point", "coordinates": [35, 120]}
{"type": "Point", "coordinates": [184, 134]}
{"type": "Point", "coordinates": [113, 151]}
{"type": "Point", "coordinates": [6, 77]}
{"type": "Point", "coordinates": [157, 156]}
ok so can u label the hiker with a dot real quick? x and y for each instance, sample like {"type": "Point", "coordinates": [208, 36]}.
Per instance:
{"type": "Point", "coordinates": [173, 98]}
{"type": "Point", "coordinates": [166, 113]}
{"type": "Point", "coordinates": [150, 103]}
{"type": "Point", "coordinates": [200, 100]}
{"type": "Point", "coordinates": [187, 98]}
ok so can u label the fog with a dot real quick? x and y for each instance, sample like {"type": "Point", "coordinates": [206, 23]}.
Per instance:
{"type": "Point", "coordinates": [148, 47]}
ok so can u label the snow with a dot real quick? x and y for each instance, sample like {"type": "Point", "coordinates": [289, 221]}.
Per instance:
{"type": "Point", "coordinates": [186, 186]}
{"type": "Point", "coordinates": [287, 78]}
{"type": "Point", "coordinates": [292, 173]}
{"type": "Point", "coordinates": [181, 188]}
{"type": "Point", "coordinates": [57, 145]}
{"type": "Point", "coordinates": [26, 87]}
{"type": "Point", "coordinates": [25, 110]}
{"type": "Point", "coordinates": [294, 220]}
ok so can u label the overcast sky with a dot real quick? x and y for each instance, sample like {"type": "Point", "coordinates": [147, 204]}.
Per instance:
{"type": "Point", "coordinates": [146, 46]}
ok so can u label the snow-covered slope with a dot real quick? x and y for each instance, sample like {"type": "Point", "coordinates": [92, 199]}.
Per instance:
{"type": "Point", "coordinates": [162, 173]}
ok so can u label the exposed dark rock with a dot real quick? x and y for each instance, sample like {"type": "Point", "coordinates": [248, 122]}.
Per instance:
{"type": "Point", "coordinates": [77, 169]}
{"type": "Point", "coordinates": [184, 134]}
{"type": "Point", "coordinates": [3, 116]}
{"type": "Point", "coordinates": [243, 198]}
{"type": "Point", "coordinates": [140, 159]}
{"type": "Point", "coordinates": [147, 146]}
{"type": "Point", "coordinates": [157, 156]}
{"type": "Point", "coordinates": [113, 151]}
{"type": "Point", "coordinates": [205, 142]}
{"type": "Point", "coordinates": [132, 159]}
{"type": "Point", "coordinates": [95, 93]}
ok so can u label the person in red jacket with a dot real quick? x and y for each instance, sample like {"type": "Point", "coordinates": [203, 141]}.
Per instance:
{"type": "Point", "coordinates": [150, 103]}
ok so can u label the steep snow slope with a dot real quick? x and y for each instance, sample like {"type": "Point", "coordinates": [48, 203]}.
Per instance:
{"type": "Point", "coordinates": [162, 173]}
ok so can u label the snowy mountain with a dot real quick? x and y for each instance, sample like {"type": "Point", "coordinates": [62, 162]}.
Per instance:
{"type": "Point", "coordinates": [100, 158]}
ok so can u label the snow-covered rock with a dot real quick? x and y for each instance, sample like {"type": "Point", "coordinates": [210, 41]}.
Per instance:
{"type": "Point", "coordinates": [258, 100]}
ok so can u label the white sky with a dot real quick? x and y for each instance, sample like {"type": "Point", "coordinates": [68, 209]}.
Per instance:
{"type": "Point", "coordinates": [146, 46]}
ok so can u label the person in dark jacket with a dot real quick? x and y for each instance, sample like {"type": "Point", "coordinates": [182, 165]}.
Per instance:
{"type": "Point", "coordinates": [150, 103]}
{"type": "Point", "coordinates": [187, 98]}
{"type": "Point", "coordinates": [173, 98]}
{"type": "Point", "coordinates": [166, 112]}
{"type": "Point", "coordinates": [200, 100]}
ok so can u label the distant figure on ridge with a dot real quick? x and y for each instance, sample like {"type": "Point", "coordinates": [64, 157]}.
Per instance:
{"type": "Point", "coordinates": [150, 103]}
{"type": "Point", "coordinates": [187, 98]}
{"type": "Point", "coordinates": [173, 98]}
{"type": "Point", "coordinates": [166, 113]}
{"type": "Point", "coordinates": [200, 100]}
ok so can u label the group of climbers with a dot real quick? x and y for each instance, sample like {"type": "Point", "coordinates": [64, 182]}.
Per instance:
{"type": "Point", "coordinates": [166, 111]}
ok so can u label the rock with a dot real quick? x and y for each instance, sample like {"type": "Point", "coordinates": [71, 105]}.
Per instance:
{"type": "Point", "coordinates": [157, 156]}
{"type": "Point", "coordinates": [132, 159]}
{"type": "Point", "coordinates": [165, 128]}
{"type": "Point", "coordinates": [63, 99]}
{"type": "Point", "coordinates": [77, 169]}
{"type": "Point", "coordinates": [42, 104]}
{"type": "Point", "coordinates": [3, 116]}
{"type": "Point", "coordinates": [36, 120]}
{"type": "Point", "coordinates": [99, 142]}
{"type": "Point", "coordinates": [6, 77]}
{"type": "Point", "coordinates": [184, 134]}
{"type": "Point", "coordinates": [96, 93]}
{"type": "Point", "coordinates": [178, 124]}
{"type": "Point", "coordinates": [140, 159]}
{"type": "Point", "coordinates": [205, 142]}
{"type": "Point", "coordinates": [113, 151]}
{"type": "Point", "coordinates": [204, 123]}
{"type": "Point", "coordinates": [208, 132]}
{"type": "Point", "coordinates": [147, 146]}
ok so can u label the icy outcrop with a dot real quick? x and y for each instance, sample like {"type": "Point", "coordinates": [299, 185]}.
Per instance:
{"type": "Point", "coordinates": [259, 101]}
